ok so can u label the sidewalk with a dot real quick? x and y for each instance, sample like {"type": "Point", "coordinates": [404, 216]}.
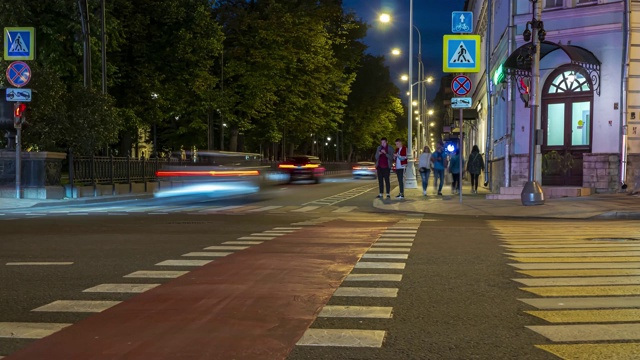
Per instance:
{"type": "Point", "coordinates": [605, 206]}
{"type": "Point", "coordinates": [9, 204]}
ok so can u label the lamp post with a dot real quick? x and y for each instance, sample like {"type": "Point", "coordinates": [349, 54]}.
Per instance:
{"type": "Point", "coordinates": [154, 96]}
{"type": "Point", "coordinates": [532, 193]}
{"type": "Point", "coordinates": [410, 173]}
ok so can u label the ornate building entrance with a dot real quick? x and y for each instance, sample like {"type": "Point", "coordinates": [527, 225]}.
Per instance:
{"type": "Point", "coordinates": [567, 105]}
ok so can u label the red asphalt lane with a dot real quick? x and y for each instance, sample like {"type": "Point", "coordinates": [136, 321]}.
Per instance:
{"type": "Point", "coordinates": [253, 304]}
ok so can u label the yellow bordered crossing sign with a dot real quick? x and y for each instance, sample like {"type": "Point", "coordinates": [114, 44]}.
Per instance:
{"type": "Point", "coordinates": [19, 43]}
{"type": "Point", "coordinates": [460, 53]}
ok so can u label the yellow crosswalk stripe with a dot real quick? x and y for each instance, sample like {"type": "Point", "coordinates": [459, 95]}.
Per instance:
{"type": "Point", "coordinates": [617, 290]}
{"type": "Point", "coordinates": [577, 259]}
{"type": "Point", "coordinates": [588, 316]}
{"type": "Point", "coordinates": [580, 272]}
{"type": "Point", "coordinates": [576, 250]}
{"type": "Point", "coordinates": [624, 351]}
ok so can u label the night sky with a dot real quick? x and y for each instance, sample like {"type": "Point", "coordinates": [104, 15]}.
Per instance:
{"type": "Point", "coordinates": [431, 17]}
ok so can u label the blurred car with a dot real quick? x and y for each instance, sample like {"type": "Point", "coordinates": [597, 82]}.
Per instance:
{"type": "Point", "coordinates": [364, 169]}
{"type": "Point", "coordinates": [303, 167]}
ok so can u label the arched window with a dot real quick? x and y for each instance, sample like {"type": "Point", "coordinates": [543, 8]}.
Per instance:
{"type": "Point", "coordinates": [569, 81]}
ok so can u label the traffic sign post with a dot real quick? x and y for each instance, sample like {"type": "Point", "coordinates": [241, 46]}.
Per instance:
{"type": "Point", "coordinates": [19, 43]}
{"type": "Point", "coordinates": [462, 22]}
{"type": "Point", "coordinates": [461, 103]}
{"type": "Point", "coordinates": [23, 95]}
{"type": "Point", "coordinates": [460, 53]}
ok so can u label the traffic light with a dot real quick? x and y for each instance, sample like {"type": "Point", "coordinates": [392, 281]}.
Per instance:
{"type": "Point", "coordinates": [18, 114]}
{"type": "Point", "coordinates": [525, 85]}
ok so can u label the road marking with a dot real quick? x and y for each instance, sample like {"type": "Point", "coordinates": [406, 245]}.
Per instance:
{"type": "Point", "coordinates": [588, 316]}
{"type": "Point", "coordinates": [272, 234]}
{"type": "Point", "coordinates": [623, 351]}
{"type": "Point", "coordinates": [391, 235]}
{"type": "Point", "coordinates": [596, 332]}
{"type": "Point", "coordinates": [373, 277]}
{"type": "Point", "coordinates": [242, 242]}
{"type": "Point", "coordinates": [121, 288]}
{"type": "Point", "coordinates": [567, 249]}
{"type": "Point", "coordinates": [207, 254]}
{"type": "Point", "coordinates": [571, 246]}
{"type": "Point", "coordinates": [580, 272]}
{"type": "Point", "coordinates": [306, 209]}
{"type": "Point", "coordinates": [156, 274]}
{"type": "Point", "coordinates": [371, 312]}
{"type": "Point", "coordinates": [278, 232]}
{"type": "Point", "coordinates": [183, 262]}
{"type": "Point", "coordinates": [345, 209]}
{"type": "Point", "coordinates": [77, 306]}
{"type": "Point", "coordinates": [265, 208]}
{"type": "Point", "coordinates": [386, 256]}
{"type": "Point", "coordinates": [584, 303]}
{"type": "Point", "coordinates": [581, 254]}
{"type": "Point", "coordinates": [257, 238]}
{"type": "Point", "coordinates": [35, 214]}
{"type": "Point", "coordinates": [226, 247]}
{"type": "Point", "coordinates": [579, 259]}
{"type": "Point", "coordinates": [39, 263]}
{"type": "Point", "coordinates": [218, 209]}
{"type": "Point", "coordinates": [342, 337]}
{"type": "Point", "coordinates": [600, 280]}
{"type": "Point", "coordinates": [618, 290]}
{"type": "Point", "coordinates": [611, 265]}
{"type": "Point", "coordinates": [20, 330]}
{"type": "Point", "coordinates": [398, 231]}
{"type": "Point", "coordinates": [287, 228]}
{"type": "Point", "coordinates": [404, 227]}
{"type": "Point", "coordinates": [78, 214]}
{"type": "Point", "coordinates": [393, 239]}
{"type": "Point", "coordinates": [392, 244]}
{"type": "Point", "coordinates": [366, 292]}
{"type": "Point", "coordinates": [398, 249]}
{"type": "Point", "coordinates": [379, 265]}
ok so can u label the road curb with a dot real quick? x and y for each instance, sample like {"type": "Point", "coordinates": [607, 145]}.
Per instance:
{"type": "Point", "coordinates": [623, 215]}
{"type": "Point", "coordinates": [93, 200]}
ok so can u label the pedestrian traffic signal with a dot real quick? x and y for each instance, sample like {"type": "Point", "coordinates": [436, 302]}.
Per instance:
{"type": "Point", "coordinates": [18, 114]}
{"type": "Point", "coordinates": [525, 86]}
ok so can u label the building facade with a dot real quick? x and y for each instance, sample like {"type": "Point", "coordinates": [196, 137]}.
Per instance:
{"type": "Point", "coordinates": [588, 123]}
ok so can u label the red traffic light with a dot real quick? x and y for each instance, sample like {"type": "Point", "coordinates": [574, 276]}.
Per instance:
{"type": "Point", "coordinates": [19, 110]}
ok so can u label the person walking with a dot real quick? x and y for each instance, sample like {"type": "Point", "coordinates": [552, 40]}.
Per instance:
{"type": "Point", "coordinates": [424, 165]}
{"type": "Point", "coordinates": [401, 163]}
{"type": "Point", "coordinates": [439, 161]}
{"type": "Point", "coordinates": [454, 169]}
{"type": "Point", "coordinates": [384, 163]}
{"type": "Point", "coordinates": [475, 165]}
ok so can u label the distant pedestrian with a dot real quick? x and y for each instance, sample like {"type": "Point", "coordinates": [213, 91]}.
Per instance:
{"type": "Point", "coordinates": [475, 165]}
{"type": "Point", "coordinates": [439, 161]}
{"type": "Point", "coordinates": [454, 169]}
{"type": "Point", "coordinates": [424, 165]}
{"type": "Point", "coordinates": [384, 163]}
{"type": "Point", "coordinates": [401, 163]}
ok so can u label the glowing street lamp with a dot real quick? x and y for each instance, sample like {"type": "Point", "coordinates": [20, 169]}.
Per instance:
{"type": "Point", "coordinates": [385, 18]}
{"type": "Point", "coordinates": [404, 78]}
{"type": "Point", "coordinates": [395, 51]}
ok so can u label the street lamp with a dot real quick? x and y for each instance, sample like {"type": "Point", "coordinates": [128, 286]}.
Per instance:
{"type": "Point", "coordinates": [385, 18]}
{"type": "Point", "coordinates": [395, 52]}
{"type": "Point", "coordinates": [405, 78]}
{"type": "Point", "coordinates": [154, 96]}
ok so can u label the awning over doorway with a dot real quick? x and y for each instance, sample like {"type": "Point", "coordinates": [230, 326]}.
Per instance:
{"type": "Point", "coordinates": [519, 62]}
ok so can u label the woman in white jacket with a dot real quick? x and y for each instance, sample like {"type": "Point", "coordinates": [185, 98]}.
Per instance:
{"type": "Point", "coordinates": [424, 165]}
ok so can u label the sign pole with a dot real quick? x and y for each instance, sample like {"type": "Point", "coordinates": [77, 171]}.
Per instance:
{"type": "Point", "coordinates": [18, 157]}
{"type": "Point", "coordinates": [460, 146]}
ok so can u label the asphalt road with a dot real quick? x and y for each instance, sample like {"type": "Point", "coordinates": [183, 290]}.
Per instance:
{"type": "Point", "coordinates": [456, 298]}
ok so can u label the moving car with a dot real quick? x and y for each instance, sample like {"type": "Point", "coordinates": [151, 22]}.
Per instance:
{"type": "Point", "coordinates": [364, 169]}
{"type": "Point", "coordinates": [303, 167]}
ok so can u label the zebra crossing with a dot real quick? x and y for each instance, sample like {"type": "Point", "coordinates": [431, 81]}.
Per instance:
{"type": "Point", "coordinates": [190, 210]}
{"type": "Point", "coordinates": [381, 268]}
{"type": "Point", "coordinates": [583, 280]}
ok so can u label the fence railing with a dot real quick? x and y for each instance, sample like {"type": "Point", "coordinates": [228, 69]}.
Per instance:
{"type": "Point", "coordinates": [93, 170]}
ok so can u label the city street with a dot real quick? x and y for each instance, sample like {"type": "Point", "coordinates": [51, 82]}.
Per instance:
{"type": "Point", "coordinates": [312, 272]}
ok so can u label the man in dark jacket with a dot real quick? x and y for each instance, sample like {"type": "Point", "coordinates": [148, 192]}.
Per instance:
{"type": "Point", "coordinates": [384, 163]}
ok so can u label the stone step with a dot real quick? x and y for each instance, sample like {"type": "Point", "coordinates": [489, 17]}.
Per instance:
{"type": "Point", "coordinates": [550, 192]}
{"type": "Point", "coordinates": [503, 197]}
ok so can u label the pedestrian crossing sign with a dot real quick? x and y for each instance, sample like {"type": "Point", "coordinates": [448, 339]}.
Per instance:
{"type": "Point", "coordinates": [19, 43]}
{"type": "Point", "coordinates": [460, 53]}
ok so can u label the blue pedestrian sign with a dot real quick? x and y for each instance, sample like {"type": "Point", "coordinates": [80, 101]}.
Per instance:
{"type": "Point", "coordinates": [460, 53]}
{"type": "Point", "coordinates": [462, 22]}
{"type": "Point", "coordinates": [19, 43]}
{"type": "Point", "coordinates": [18, 74]}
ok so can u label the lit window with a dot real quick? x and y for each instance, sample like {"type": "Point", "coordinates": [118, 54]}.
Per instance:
{"type": "Point", "coordinates": [569, 81]}
{"type": "Point", "coordinates": [549, 4]}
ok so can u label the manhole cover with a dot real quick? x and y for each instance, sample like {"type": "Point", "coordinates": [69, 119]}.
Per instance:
{"type": "Point", "coordinates": [614, 239]}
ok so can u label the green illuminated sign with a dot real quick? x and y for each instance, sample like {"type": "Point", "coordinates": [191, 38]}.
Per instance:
{"type": "Point", "coordinates": [498, 75]}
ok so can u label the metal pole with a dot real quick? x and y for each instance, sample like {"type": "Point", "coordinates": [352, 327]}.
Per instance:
{"type": "Point", "coordinates": [487, 178]}
{"type": "Point", "coordinates": [104, 47]}
{"type": "Point", "coordinates": [460, 157]}
{"type": "Point", "coordinates": [410, 174]}
{"type": "Point", "coordinates": [532, 193]}
{"type": "Point", "coordinates": [18, 161]}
